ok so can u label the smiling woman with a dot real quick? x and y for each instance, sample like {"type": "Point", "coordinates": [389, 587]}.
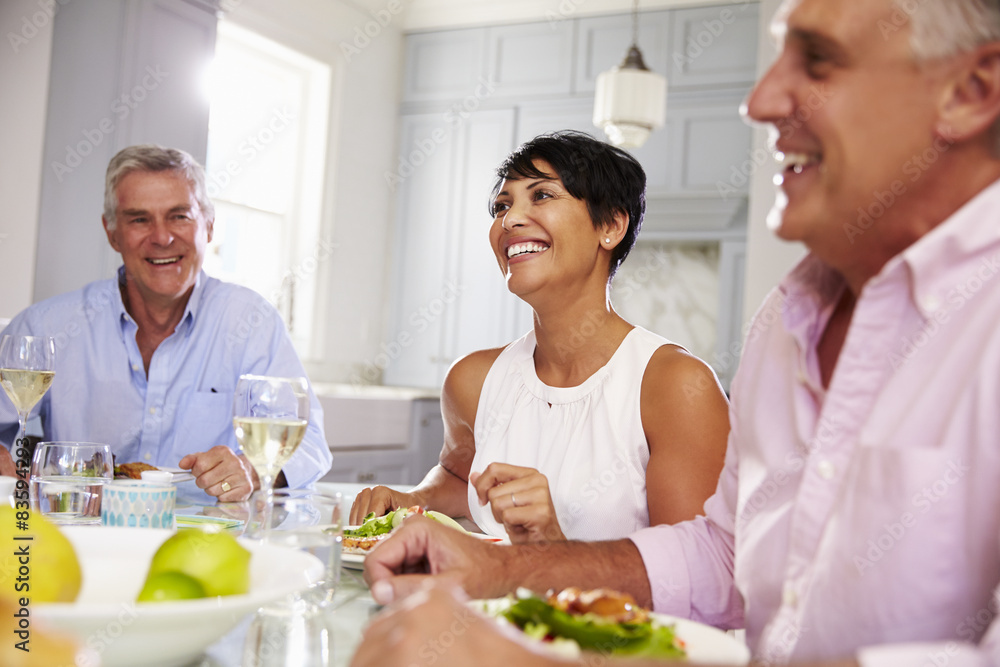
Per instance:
{"type": "Point", "coordinates": [582, 428]}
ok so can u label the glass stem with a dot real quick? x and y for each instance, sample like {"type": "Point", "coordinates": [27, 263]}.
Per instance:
{"type": "Point", "coordinates": [22, 421]}
{"type": "Point", "coordinates": [267, 487]}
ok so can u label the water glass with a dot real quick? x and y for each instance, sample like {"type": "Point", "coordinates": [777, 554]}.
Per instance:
{"type": "Point", "coordinates": [67, 479]}
{"type": "Point", "coordinates": [305, 520]}
{"type": "Point", "coordinates": [290, 635]}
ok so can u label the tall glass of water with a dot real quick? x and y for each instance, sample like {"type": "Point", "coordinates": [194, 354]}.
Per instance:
{"type": "Point", "coordinates": [27, 368]}
{"type": "Point", "coordinates": [270, 416]}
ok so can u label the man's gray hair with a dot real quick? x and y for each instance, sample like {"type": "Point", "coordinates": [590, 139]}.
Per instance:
{"type": "Point", "coordinates": [150, 157]}
{"type": "Point", "coordinates": [942, 28]}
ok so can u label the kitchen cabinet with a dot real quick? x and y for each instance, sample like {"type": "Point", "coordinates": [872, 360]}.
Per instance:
{"type": "Point", "coordinates": [123, 72]}
{"type": "Point", "coordinates": [472, 95]}
{"type": "Point", "coordinates": [380, 435]}
{"type": "Point", "coordinates": [449, 297]}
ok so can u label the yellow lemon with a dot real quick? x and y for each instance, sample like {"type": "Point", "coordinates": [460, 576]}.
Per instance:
{"type": "Point", "coordinates": [45, 648]}
{"type": "Point", "coordinates": [166, 586]}
{"type": "Point", "coordinates": [44, 568]}
{"type": "Point", "coordinates": [216, 560]}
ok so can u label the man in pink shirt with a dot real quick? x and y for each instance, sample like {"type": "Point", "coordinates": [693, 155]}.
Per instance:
{"type": "Point", "coordinates": [857, 520]}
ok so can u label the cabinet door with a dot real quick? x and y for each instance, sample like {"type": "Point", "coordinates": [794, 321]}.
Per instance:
{"type": "Point", "coordinates": [532, 59]}
{"type": "Point", "coordinates": [715, 46]}
{"type": "Point", "coordinates": [371, 467]}
{"type": "Point", "coordinates": [443, 65]}
{"type": "Point", "coordinates": [487, 314]}
{"type": "Point", "coordinates": [449, 298]}
{"type": "Point", "coordinates": [424, 288]}
{"type": "Point", "coordinates": [602, 43]}
{"type": "Point", "coordinates": [428, 435]}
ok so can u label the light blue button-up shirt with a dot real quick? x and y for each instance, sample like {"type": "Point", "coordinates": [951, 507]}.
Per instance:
{"type": "Point", "coordinates": [101, 392]}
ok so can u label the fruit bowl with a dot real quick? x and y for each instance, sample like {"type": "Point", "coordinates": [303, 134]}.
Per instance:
{"type": "Point", "coordinates": [106, 618]}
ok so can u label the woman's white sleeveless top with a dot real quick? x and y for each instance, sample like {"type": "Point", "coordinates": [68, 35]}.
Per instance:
{"type": "Point", "coordinates": [587, 440]}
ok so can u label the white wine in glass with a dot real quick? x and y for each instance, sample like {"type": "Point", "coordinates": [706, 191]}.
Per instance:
{"type": "Point", "coordinates": [27, 368]}
{"type": "Point", "coordinates": [270, 416]}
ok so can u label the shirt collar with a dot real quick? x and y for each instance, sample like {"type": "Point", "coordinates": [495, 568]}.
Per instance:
{"type": "Point", "coordinates": [957, 256]}
{"type": "Point", "coordinates": [190, 310]}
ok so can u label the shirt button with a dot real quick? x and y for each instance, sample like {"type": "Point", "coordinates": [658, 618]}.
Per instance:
{"type": "Point", "coordinates": [789, 596]}
{"type": "Point", "coordinates": [152, 411]}
{"type": "Point", "coordinates": [931, 303]}
{"type": "Point", "coordinates": [135, 367]}
{"type": "Point", "coordinates": [825, 469]}
{"type": "Point", "coordinates": [148, 456]}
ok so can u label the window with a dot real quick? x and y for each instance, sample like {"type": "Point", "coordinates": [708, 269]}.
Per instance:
{"type": "Point", "coordinates": [265, 171]}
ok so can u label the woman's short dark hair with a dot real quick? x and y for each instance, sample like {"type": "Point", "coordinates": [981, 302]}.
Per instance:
{"type": "Point", "coordinates": [607, 178]}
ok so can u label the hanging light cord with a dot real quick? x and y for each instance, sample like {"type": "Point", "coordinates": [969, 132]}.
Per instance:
{"type": "Point", "coordinates": [635, 23]}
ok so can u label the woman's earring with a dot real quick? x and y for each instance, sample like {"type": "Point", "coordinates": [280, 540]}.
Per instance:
{"type": "Point", "coordinates": [607, 240]}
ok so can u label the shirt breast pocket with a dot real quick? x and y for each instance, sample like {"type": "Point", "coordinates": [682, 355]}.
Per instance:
{"type": "Point", "coordinates": [206, 421]}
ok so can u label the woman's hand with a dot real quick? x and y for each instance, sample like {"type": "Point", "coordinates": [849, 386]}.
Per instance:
{"type": "Point", "coordinates": [520, 500]}
{"type": "Point", "coordinates": [380, 500]}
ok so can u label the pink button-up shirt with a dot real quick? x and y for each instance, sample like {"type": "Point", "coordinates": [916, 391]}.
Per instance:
{"type": "Point", "coordinates": [866, 513]}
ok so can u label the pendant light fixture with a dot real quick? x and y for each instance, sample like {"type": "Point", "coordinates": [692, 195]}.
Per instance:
{"type": "Point", "coordinates": [630, 101]}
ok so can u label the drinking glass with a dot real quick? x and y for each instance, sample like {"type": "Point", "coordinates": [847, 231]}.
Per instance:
{"type": "Point", "coordinates": [299, 629]}
{"type": "Point", "coordinates": [27, 367]}
{"type": "Point", "coordinates": [306, 520]}
{"type": "Point", "coordinates": [67, 479]}
{"type": "Point", "coordinates": [270, 416]}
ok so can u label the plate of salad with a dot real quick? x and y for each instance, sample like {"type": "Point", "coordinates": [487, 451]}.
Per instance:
{"type": "Point", "coordinates": [359, 540]}
{"type": "Point", "coordinates": [609, 622]}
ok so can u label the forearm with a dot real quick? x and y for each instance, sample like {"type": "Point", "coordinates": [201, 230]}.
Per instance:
{"type": "Point", "coordinates": [443, 492]}
{"type": "Point", "coordinates": [543, 565]}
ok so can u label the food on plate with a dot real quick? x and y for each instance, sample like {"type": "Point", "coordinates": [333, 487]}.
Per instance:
{"type": "Point", "coordinates": [361, 545]}
{"type": "Point", "coordinates": [599, 620]}
{"type": "Point", "coordinates": [373, 529]}
{"type": "Point", "coordinates": [131, 470]}
{"type": "Point", "coordinates": [215, 560]}
{"type": "Point", "coordinates": [55, 574]}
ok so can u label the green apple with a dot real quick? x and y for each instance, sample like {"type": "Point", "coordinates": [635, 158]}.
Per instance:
{"type": "Point", "coordinates": [166, 586]}
{"type": "Point", "coordinates": [214, 559]}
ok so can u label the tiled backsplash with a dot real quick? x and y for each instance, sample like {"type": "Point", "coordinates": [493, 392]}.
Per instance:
{"type": "Point", "coordinates": [672, 288]}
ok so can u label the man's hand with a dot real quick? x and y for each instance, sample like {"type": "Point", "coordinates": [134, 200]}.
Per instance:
{"type": "Point", "coordinates": [422, 548]}
{"type": "Point", "coordinates": [436, 624]}
{"type": "Point", "coordinates": [221, 473]}
{"type": "Point", "coordinates": [7, 468]}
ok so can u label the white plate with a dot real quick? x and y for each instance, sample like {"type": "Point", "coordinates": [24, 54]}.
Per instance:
{"type": "Point", "coordinates": [129, 634]}
{"type": "Point", "coordinates": [357, 561]}
{"type": "Point", "coordinates": [180, 475]}
{"type": "Point", "coordinates": [703, 643]}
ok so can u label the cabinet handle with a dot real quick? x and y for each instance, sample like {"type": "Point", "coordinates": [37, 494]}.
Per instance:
{"type": "Point", "coordinates": [366, 477]}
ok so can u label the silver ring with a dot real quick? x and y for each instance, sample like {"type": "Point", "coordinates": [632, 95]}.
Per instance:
{"type": "Point", "coordinates": [225, 486]}
{"type": "Point", "coordinates": [514, 502]}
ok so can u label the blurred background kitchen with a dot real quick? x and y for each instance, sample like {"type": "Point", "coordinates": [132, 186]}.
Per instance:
{"type": "Point", "coordinates": [350, 148]}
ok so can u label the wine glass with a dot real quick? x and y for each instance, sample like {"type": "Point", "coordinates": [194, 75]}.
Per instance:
{"type": "Point", "coordinates": [27, 368]}
{"type": "Point", "coordinates": [270, 416]}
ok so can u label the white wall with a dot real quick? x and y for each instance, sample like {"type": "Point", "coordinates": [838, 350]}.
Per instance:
{"type": "Point", "coordinates": [768, 258]}
{"type": "Point", "coordinates": [25, 56]}
{"type": "Point", "coordinates": [366, 57]}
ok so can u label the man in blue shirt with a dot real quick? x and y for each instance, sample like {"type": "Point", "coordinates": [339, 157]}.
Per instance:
{"type": "Point", "coordinates": [148, 362]}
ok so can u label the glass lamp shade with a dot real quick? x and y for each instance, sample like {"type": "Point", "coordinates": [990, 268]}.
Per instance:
{"type": "Point", "coordinates": [629, 104]}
